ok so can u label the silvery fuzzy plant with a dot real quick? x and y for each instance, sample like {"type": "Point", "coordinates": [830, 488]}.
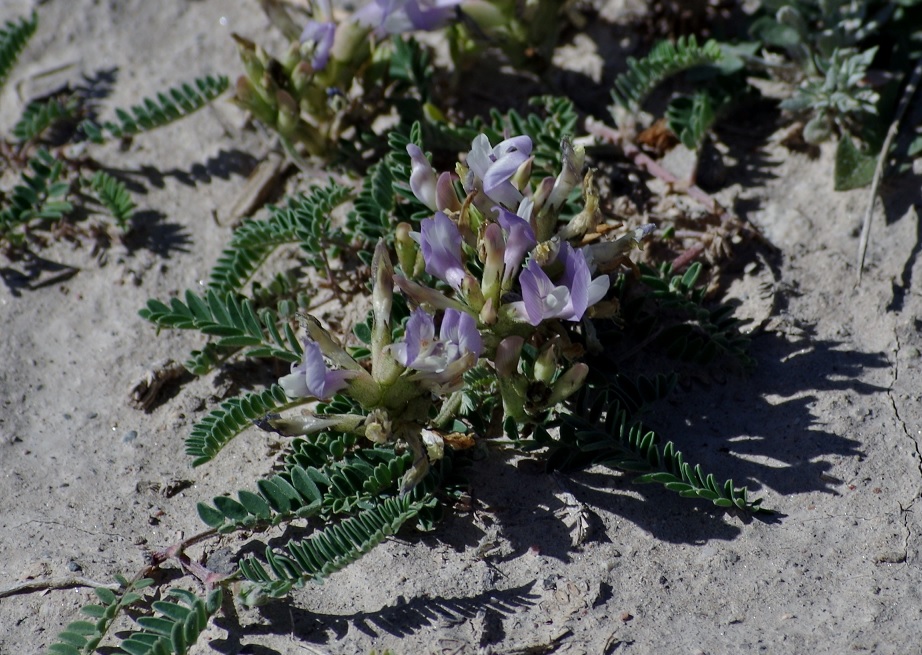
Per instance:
{"type": "Point", "coordinates": [340, 73]}
{"type": "Point", "coordinates": [854, 57]}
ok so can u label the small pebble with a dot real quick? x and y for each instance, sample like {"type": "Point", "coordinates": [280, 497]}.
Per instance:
{"type": "Point", "coordinates": [626, 616]}
{"type": "Point", "coordinates": [73, 567]}
{"type": "Point", "coordinates": [130, 436]}
{"type": "Point", "coordinates": [92, 415]}
{"type": "Point", "coordinates": [67, 416]}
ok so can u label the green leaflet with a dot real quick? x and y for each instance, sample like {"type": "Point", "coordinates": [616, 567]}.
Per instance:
{"type": "Point", "coordinates": [13, 39]}
{"type": "Point", "coordinates": [151, 113]}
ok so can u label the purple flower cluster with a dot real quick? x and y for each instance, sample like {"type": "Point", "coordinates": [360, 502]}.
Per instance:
{"type": "Point", "coordinates": [568, 298]}
{"type": "Point", "coordinates": [399, 16]}
{"type": "Point", "coordinates": [494, 167]}
{"type": "Point", "coordinates": [440, 362]}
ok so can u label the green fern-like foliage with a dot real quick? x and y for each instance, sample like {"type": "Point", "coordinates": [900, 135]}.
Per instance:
{"type": "Point", "coordinates": [13, 39]}
{"type": "Point", "coordinates": [698, 334]}
{"type": "Point", "coordinates": [176, 103]}
{"type": "Point", "coordinates": [306, 220]}
{"type": "Point", "coordinates": [664, 60]}
{"type": "Point", "coordinates": [378, 207]}
{"type": "Point", "coordinates": [39, 116]}
{"type": "Point", "coordinates": [114, 196]}
{"type": "Point", "coordinates": [41, 194]}
{"type": "Point", "coordinates": [600, 431]}
{"type": "Point", "coordinates": [82, 637]}
{"type": "Point", "coordinates": [234, 321]}
{"type": "Point", "coordinates": [690, 118]}
{"type": "Point", "coordinates": [174, 627]}
{"type": "Point", "coordinates": [325, 476]}
{"type": "Point", "coordinates": [410, 65]}
{"type": "Point", "coordinates": [221, 425]}
{"type": "Point", "coordinates": [328, 550]}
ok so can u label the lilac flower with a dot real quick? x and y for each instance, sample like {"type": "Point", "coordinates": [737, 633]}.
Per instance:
{"type": "Point", "coordinates": [312, 378]}
{"type": "Point", "coordinates": [440, 362]}
{"type": "Point", "coordinates": [399, 16]}
{"type": "Point", "coordinates": [569, 299]}
{"type": "Point", "coordinates": [440, 241]}
{"type": "Point", "coordinates": [520, 238]}
{"type": "Point", "coordinates": [422, 177]}
{"type": "Point", "coordinates": [496, 166]}
{"type": "Point", "coordinates": [319, 37]}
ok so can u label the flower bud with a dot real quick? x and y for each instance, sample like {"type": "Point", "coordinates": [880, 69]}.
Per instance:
{"type": "Point", "coordinates": [472, 293]}
{"type": "Point", "coordinates": [423, 181]}
{"type": "Point", "coordinates": [384, 367]}
{"type": "Point", "coordinates": [422, 295]}
{"type": "Point", "coordinates": [485, 14]}
{"type": "Point", "coordinates": [297, 426]}
{"type": "Point", "coordinates": [507, 356]}
{"type": "Point", "coordinates": [522, 174]}
{"type": "Point", "coordinates": [435, 445]}
{"type": "Point", "coordinates": [252, 64]}
{"type": "Point", "coordinates": [488, 314]}
{"type": "Point", "coordinates": [544, 222]}
{"type": "Point", "coordinates": [289, 117]}
{"type": "Point", "coordinates": [546, 363]}
{"type": "Point", "coordinates": [568, 384]}
{"type": "Point", "coordinates": [407, 249]}
{"type": "Point", "coordinates": [378, 427]}
{"type": "Point", "coordinates": [253, 100]}
{"type": "Point", "coordinates": [445, 197]}
{"type": "Point", "coordinates": [494, 250]}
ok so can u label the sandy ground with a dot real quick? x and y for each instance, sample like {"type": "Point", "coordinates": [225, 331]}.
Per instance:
{"type": "Point", "coordinates": [826, 429]}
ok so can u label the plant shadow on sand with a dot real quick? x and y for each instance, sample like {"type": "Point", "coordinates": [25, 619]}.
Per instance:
{"type": "Point", "coordinates": [403, 619]}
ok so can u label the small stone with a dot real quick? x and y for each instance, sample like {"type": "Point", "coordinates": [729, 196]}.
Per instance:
{"type": "Point", "coordinates": [891, 557]}
{"type": "Point", "coordinates": [130, 436]}
{"type": "Point", "coordinates": [626, 616]}
{"type": "Point", "coordinates": [73, 567]}
{"type": "Point", "coordinates": [91, 415]}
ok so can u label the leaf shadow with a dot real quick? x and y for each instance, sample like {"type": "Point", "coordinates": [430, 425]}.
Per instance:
{"type": "Point", "coordinates": [35, 272]}
{"type": "Point", "coordinates": [764, 429]}
{"type": "Point", "coordinates": [402, 619]}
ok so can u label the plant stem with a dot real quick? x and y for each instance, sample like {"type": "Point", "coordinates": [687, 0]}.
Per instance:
{"type": "Point", "coordinates": [908, 92]}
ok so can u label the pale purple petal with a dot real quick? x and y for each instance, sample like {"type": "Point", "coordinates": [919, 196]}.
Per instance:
{"type": "Point", "coordinates": [429, 15]}
{"type": "Point", "coordinates": [520, 238]}
{"type": "Point", "coordinates": [422, 177]}
{"type": "Point", "coordinates": [459, 340]}
{"type": "Point", "coordinates": [495, 167]}
{"type": "Point", "coordinates": [598, 288]}
{"type": "Point", "coordinates": [568, 299]}
{"type": "Point", "coordinates": [294, 384]}
{"type": "Point", "coordinates": [440, 241]}
{"type": "Point", "coordinates": [399, 16]}
{"type": "Point", "coordinates": [536, 287]}
{"type": "Point", "coordinates": [420, 334]}
{"type": "Point", "coordinates": [576, 278]}
{"type": "Point", "coordinates": [320, 35]}
{"type": "Point", "coordinates": [321, 383]}
{"type": "Point", "coordinates": [460, 328]}
{"type": "Point", "coordinates": [480, 158]}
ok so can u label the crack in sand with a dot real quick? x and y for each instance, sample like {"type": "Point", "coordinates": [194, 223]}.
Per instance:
{"type": "Point", "coordinates": [896, 410]}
